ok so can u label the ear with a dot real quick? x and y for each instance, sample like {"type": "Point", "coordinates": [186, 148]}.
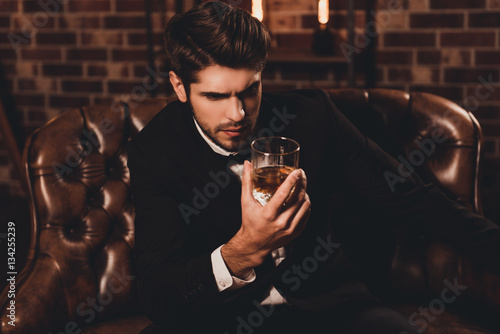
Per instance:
{"type": "Point", "coordinates": [178, 86]}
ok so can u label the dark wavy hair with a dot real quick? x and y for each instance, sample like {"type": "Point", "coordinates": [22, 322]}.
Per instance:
{"type": "Point", "coordinates": [214, 33]}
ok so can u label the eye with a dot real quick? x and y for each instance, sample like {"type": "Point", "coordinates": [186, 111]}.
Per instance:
{"type": "Point", "coordinates": [214, 97]}
{"type": "Point", "coordinates": [252, 91]}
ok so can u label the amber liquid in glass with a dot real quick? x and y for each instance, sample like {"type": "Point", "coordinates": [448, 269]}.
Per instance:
{"type": "Point", "coordinates": [266, 180]}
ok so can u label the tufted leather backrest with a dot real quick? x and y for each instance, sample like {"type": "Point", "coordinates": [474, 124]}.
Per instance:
{"type": "Point", "coordinates": [443, 143]}
{"type": "Point", "coordinates": [82, 213]}
{"type": "Point", "coordinates": [79, 266]}
{"type": "Point", "coordinates": [416, 125]}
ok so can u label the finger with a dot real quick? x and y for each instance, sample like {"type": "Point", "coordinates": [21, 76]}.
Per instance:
{"type": "Point", "coordinates": [298, 220]}
{"type": "Point", "coordinates": [280, 196]}
{"type": "Point", "coordinates": [246, 182]}
{"type": "Point", "coordinates": [294, 196]}
{"type": "Point", "coordinates": [303, 179]}
{"type": "Point", "coordinates": [291, 208]}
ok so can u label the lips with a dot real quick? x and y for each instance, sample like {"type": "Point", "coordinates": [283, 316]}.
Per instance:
{"type": "Point", "coordinates": [233, 132]}
{"type": "Point", "coordinates": [234, 129]}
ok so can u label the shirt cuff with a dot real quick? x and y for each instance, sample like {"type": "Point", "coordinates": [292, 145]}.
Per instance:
{"type": "Point", "coordinates": [223, 277]}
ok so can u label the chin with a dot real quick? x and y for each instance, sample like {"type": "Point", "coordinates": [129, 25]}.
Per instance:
{"type": "Point", "coordinates": [231, 145]}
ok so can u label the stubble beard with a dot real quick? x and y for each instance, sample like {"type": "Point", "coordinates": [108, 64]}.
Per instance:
{"type": "Point", "coordinates": [231, 144]}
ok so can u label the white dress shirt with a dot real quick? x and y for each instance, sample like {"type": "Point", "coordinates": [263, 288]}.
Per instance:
{"type": "Point", "coordinates": [222, 275]}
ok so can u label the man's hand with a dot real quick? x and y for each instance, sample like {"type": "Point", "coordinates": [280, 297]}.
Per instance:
{"type": "Point", "coordinates": [265, 228]}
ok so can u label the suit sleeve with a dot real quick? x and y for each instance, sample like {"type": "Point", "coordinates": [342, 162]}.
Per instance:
{"type": "Point", "coordinates": [367, 167]}
{"type": "Point", "coordinates": [173, 282]}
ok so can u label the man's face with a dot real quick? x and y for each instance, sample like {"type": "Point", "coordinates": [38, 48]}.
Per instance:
{"type": "Point", "coordinates": [225, 103]}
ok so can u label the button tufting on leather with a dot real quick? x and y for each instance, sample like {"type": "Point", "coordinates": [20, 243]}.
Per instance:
{"type": "Point", "coordinates": [109, 170]}
{"type": "Point", "coordinates": [94, 198]}
{"type": "Point", "coordinates": [72, 230]}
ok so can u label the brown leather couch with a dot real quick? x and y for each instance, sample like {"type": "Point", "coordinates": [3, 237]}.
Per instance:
{"type": "Point", "coordinates": [79, 276]}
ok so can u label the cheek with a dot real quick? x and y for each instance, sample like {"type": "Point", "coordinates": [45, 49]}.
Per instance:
{"type": "Point", "coordinates": [205, 111]}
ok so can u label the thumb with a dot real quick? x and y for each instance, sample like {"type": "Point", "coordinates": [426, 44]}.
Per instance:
{"type": "Point", "coordinates": [246, 181]}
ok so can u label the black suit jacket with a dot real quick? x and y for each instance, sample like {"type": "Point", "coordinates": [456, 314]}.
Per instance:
{"type": "Point", "coordinates": [188, 203]}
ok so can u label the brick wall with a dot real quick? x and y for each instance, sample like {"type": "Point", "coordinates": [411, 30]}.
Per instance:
{"type": "Point", "coordinates": [89, 51]}
{"type": "Point", "coordinates": [450, 48]}
{"type": "Point", "coordinates": [64, 54]}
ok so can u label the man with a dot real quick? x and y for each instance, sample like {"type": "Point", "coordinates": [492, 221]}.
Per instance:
{"type": "Point", "coordinates": [209, 258]}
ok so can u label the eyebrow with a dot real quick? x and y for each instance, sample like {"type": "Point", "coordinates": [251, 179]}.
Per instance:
{"type": "Point", "coordinates": [226, 95]}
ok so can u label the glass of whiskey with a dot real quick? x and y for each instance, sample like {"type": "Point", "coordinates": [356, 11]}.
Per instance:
{"type": "Point", "coordinates": [273, 159]}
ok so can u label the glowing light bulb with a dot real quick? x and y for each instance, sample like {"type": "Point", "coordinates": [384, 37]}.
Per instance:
{"type": "Point", "coordinates": [323, 11]}
{"type": "Point", "coordinates": [257, 10]}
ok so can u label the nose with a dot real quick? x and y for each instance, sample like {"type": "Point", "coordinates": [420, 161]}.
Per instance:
{"type": "Point", "coordinates": [235, 112]}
